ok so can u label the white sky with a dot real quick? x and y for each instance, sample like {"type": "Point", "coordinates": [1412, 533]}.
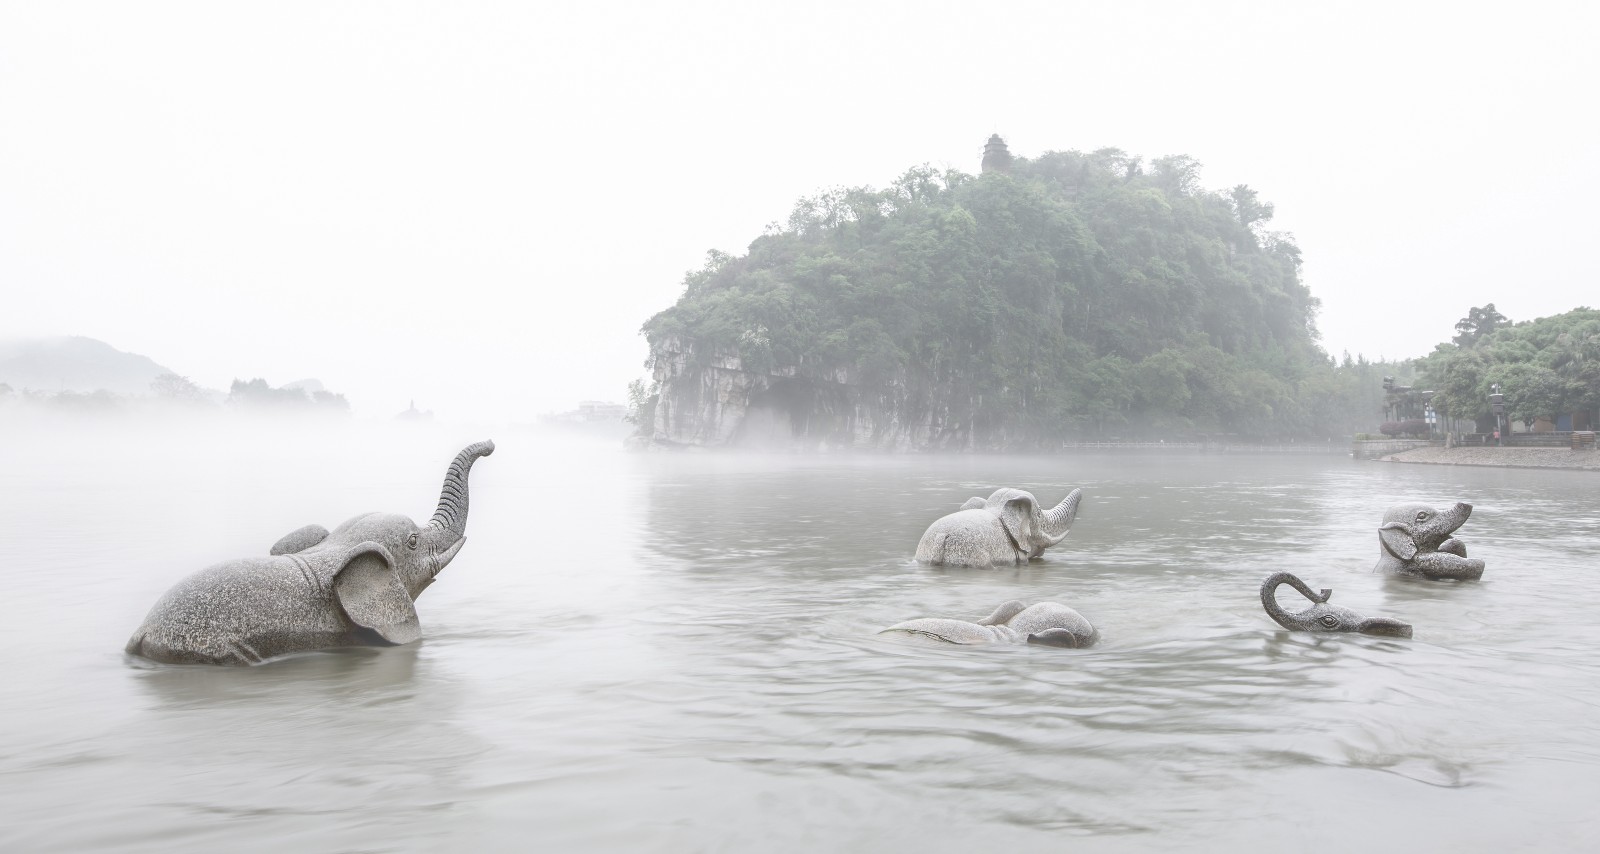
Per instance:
{"type": "Point", "coordinates": [478, 204]}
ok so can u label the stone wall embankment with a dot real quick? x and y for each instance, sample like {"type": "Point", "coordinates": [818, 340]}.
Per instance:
{"type": "Point", "coordinates": [1557, 458]}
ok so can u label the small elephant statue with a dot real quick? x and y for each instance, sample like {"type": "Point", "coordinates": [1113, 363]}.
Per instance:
{"type": "Point", "coordinates": [1042, 624]}
{"type": "Point", "coordinates": [351, 587]}
{"type": "Point", "coordinates": [1416, 540]}
{"type": "Point", "coordinates": [1322, 617]}
{"type": "Point", "coordinates": [1007, 528]}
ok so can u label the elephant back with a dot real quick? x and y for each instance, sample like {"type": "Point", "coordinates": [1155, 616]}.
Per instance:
{"type": "Point", "coordinates": [241, 612]}
{"type": "Point", "coordinates": [1043, 616]}
{"type": "Point", "coordinates": [965, 538]}
{"type": "Point", "coordinates": [949, 631]}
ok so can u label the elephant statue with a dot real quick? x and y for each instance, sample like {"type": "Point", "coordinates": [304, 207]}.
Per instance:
{"type": "Point", "coordinates": [1322, 617]}
{"type": "Point", "coordinates": [1007, 528]}
{"type": "Point", "coordinates": [1415, 540]}
{"type": "Point", "coordinates": [317, 589]}
{"type": "Point", "coordinates": [1043, 624]}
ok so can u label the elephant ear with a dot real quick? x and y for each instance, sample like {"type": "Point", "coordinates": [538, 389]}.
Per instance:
{"type": "Point", "coordinates": [974, 503]}
{"type": "Point", "coordinates": [1017, 515]}
{"type": "Point", "coordinates": [370, 592]}
{"type": "Point", "coordinates": [1064, 638]}
{"type": "Point", "coordinates": [1397, 540]}
{"type": "Point", "coordinates": [299, 540]}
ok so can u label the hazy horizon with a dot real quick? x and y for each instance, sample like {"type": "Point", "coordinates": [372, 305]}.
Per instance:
{"type": "Point", "coordinates": [476, 208]}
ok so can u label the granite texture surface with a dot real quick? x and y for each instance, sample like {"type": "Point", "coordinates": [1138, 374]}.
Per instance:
{"type": "Point", "coordinates": [1008, 527]}
{"type": "Point", "coordinates": [1322, 617]}
{"type": "Point", "coordinates": [316, 589]}
{"type": "Point", "coordinates": [1042, 623]}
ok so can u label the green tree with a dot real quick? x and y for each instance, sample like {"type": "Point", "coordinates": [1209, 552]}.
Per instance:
{"type": "Point", "coordinates": [1248, 207]}
{"type": "Point", "coordinates": [177, 389]}
{"type": "Point", "coordinates": [257, 395]}
{"type": "Point", "coordinates": [1545, 367]}
{"type": "Point", "coordinates": [1479, 324]}
{"type": "Point", "coordinates": [641, 402]}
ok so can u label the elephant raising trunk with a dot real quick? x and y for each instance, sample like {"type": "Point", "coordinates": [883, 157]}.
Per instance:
{"type": "Point", "coordinates": [1417, 540]}
{"type": "Point", "coordinates": [1322, 617]}
{"type": "Point", "coordinates": [452, 513]}
{"type": "Point", "coordinates": [316, 589]}
{"type": "Point", "coordinates": [1008, 527]}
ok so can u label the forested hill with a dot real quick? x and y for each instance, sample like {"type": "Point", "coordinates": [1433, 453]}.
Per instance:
{"type": "Point", "coordinates": [1070, 296]}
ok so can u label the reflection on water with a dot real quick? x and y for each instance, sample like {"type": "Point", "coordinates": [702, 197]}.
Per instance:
{"type": "Point", "coordinates": [681, 653]}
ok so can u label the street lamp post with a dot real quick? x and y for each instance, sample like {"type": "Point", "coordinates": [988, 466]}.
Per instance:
{"type": "Point", "coordinates": [1497, 402]}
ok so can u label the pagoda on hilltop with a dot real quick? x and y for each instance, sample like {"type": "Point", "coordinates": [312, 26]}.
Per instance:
{"type": "Point", "coordinates": [996, 157]}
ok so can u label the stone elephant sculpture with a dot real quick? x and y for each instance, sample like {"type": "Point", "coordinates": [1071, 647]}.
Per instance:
{"type": "Point", "coordinates": [1322, 617]}
{"type": "Point", "coordinates": [316, 589]}
{"type": "Point", "coordinates": [1415, 539]}
{"type": "Point", "coordinates": [1008, 527]}
{"type": "Point", "coordinates": [1042, 623]}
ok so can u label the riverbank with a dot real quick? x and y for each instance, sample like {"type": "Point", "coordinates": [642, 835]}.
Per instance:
{"type": "Point", "coordinates": [1555, 458]}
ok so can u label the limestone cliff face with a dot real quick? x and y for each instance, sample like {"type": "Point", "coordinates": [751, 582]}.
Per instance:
{"type": "Point", "coordinates": [710, 400]}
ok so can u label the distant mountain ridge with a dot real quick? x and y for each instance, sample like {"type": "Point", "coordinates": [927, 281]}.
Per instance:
{"type": "Point", "coordinates": [75, 363]}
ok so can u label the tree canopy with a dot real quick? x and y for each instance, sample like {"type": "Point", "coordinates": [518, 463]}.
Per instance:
{"type": "Point", "coordinates": [258, 395]}
{"type": "Point", "coordinates": [1479, 324]}
{"type": "Point", "coordinates": [1076, 294]}
{"type": "Point", "coordinates": [1544, 367]}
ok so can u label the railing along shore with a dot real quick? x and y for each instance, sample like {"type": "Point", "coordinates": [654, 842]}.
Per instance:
{"type": "Point", "coordinates": [1329, 447]}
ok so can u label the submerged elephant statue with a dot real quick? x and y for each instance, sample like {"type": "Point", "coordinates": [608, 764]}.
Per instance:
{"type": "Point", "coordinates": [316, 590]}
{"type": "Point", "coordinates": [1322, 617]}
{"type": "Point", "coordinates": [1007, 528]}
{"type": "Point", "coordinates": [1043, 623]}
{"type": "Point", "coordinates": [1415, 540]}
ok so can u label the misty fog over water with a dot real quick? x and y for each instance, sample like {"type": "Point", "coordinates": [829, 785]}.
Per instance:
{"type": "Point", "coordinates": [679, 652]}
{"type": "Point", "coordinates": [270, 265]}
{"type": "Point", "coordinates": [477, 209]}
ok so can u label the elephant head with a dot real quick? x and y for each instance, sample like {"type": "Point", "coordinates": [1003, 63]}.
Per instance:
{"type": "Point", "coordinates": [350, 586]}
{"type": "Point", "coordinates": [1322, 617]}
{"type": "Point", "coordinates": [1416, 539]}
{"type": "Point", "coordinates": [415, 553]}
{"type": "Point", "coordinates": [1030, 527]}
{"type": "Point", "coordinates": [1410, 528]}
{"type": "Point", "coordinates": [1007, 527]}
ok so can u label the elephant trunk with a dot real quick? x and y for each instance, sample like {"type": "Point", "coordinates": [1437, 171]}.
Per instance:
{"type": "Point", "coordinates": [1058, 519]}
{"type": "Point", "coordinates": [1385, 627]}
{"type": "Point", "coordinates": [451, 517]}
{"type": "Point", "coordinates": [1269, 599]}
{"type": "Point", "coordinates": [1444, 525]}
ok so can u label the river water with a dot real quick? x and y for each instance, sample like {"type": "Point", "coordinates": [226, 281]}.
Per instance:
{"type": "Point", "coordinates": [679, 653]}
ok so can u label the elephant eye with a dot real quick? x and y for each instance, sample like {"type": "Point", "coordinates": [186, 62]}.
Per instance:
{"type": "Point", "coordinates": [412, 540]}
{"type": "Point", "coordinates": [1330, 621]}
{"type": "Point", "coordinates": [1422, 516]}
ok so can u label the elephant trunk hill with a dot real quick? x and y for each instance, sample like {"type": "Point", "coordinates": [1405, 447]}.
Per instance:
{"type": "Point", "coordinates": [1068, 297]}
